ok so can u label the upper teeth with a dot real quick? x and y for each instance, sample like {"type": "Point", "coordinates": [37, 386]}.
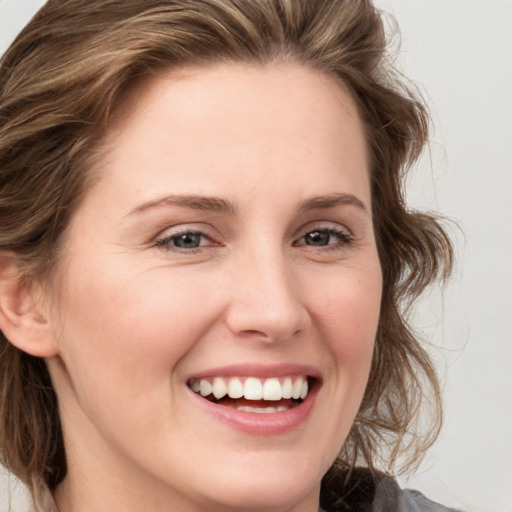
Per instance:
{"type": "Point", "coordinates": [252, 388]}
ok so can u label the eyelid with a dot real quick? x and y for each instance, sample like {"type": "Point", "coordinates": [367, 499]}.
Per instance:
{"type": "Point", "coordinates": [193, 228]}
{"type": "Point", "coordinates": [176, 234]}
{"type": "Point", "coordinates": [184, 227]}
{"type": "Point", "coordinates": [164, 238]}
{"type": "Point", "coordinates": [322, 226]}
{"type": "Point", "coordinates": [344, 234]}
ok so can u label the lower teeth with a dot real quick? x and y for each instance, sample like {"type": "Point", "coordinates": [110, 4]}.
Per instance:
{"type": "Point", "coordinates": [258, 406]}
{"type": "Point", "coordinates": [261, 410]}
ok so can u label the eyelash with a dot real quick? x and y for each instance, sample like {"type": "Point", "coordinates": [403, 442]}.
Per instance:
{"type": "Point", "coordinates": [345, 239]}
{"type": "Point", "coordinates": [167, 241]}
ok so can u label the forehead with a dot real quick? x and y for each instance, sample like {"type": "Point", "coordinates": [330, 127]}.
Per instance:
{"type": "Point", "coordinates": [192, 125]}
{"type": "Point", "coordinates": [235, 83]}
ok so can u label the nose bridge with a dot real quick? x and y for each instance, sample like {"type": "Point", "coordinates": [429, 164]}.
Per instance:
{"type": "Point", "coordinates": [266, 301]}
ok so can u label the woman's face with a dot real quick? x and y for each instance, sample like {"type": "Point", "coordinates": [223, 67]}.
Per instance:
{"type": "Point", "coordinates": [227, 246]}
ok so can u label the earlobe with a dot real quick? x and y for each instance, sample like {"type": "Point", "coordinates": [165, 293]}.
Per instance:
{"type": "Point", "coordinates": [22, 321]}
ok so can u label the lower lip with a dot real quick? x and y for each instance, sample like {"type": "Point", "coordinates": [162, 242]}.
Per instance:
{"type": "Point", "coordinates": [265, 424]}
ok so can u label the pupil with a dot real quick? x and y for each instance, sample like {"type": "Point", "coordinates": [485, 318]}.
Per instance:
{"type": "Point", "coordinates": [188, 241]}
{"type": "Point", "coordinates": [317, 238]}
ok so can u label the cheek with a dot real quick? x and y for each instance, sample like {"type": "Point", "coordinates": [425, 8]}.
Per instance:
{"type": "Point", "coordinates": [129, 330]}
{"type": "Point", "coordinates": [123, 335]}
{"type": "Point", "coordinates": [349, 310]}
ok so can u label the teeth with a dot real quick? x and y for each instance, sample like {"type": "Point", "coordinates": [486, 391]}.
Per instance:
{"type": "Point", "coordinates": [219, 388]}
{"type": "Point", "coordinates": [205, 388]}
{"type": "Point", "coordinates": [235, 388]}
{"type": "Point", "coordinates": [297, 388]}
{"type": "Point", "coordinates": [287, 388]}
{"type": "Point", "coordinates": [304, 390]}
{"type": "Point", "coordinates": [252, 388]}
{"type": "Point", "coordinates": [261, 410]}
{"type": "Point", "coordinates": [272, 390]}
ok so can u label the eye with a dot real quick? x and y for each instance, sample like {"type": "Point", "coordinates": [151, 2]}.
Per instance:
{"type": "Point", "coordinates": [185, 241]}
{"type": "Point", "coordinates": [325, 237]}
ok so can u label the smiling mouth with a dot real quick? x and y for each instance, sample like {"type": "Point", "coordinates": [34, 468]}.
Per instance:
{"type": "Point", "coordinates": [252, 394]}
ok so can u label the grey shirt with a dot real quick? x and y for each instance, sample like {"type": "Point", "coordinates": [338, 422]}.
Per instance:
{"type": "Point", "coordinates": [375, 492]}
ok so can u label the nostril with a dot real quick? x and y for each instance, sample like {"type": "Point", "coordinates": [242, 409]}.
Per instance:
{"type": "Point", "coordinates": [269, 336]}
{"type": "Point", "coordinates": [267, 326]}
{"type": "Point", "coordinates": [266, 304]}
{"type": "Point", "coordinates": [253, 332]}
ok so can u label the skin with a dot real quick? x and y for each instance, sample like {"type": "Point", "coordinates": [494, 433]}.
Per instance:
{"type": "Point", "coordinates": [135, 317]}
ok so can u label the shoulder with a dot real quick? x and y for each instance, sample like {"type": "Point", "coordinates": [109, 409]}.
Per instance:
{"type": "Point", "coordinates": [362, 490]}
{"type": "Point", "coordinates": [389, 497]}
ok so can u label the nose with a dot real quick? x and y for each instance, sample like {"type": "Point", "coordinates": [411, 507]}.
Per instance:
{"type": "Point", "coordinates": [266, 301]}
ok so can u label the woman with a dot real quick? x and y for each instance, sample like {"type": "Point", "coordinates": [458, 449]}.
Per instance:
{"type": "Point", "coordinates": [206, 259]}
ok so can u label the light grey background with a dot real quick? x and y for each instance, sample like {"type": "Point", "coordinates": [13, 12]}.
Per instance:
{"type": "Point", "coordinates": [460, 52]}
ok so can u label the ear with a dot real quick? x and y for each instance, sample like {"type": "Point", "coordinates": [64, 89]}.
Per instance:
{"type": "Point", "coordinates": [22, 319]}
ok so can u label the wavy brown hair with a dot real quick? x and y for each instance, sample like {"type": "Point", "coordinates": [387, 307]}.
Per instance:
{"type": "Point", "coordinates": [60, 82]}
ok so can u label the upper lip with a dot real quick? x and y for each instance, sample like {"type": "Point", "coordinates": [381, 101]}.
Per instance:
{"type": "Point", "coordinates": [258, 370]}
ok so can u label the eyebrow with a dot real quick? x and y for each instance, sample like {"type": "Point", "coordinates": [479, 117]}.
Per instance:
{"type": "Point", "coordinates": [194, 202]}
{"type": "Point", "coordinates": [223, 206]}
{"type": "Point", "coordinates": [331, 201]}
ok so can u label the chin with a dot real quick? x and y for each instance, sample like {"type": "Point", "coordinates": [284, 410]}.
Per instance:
{"type": "Point", "coordinates": [268, 484]}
